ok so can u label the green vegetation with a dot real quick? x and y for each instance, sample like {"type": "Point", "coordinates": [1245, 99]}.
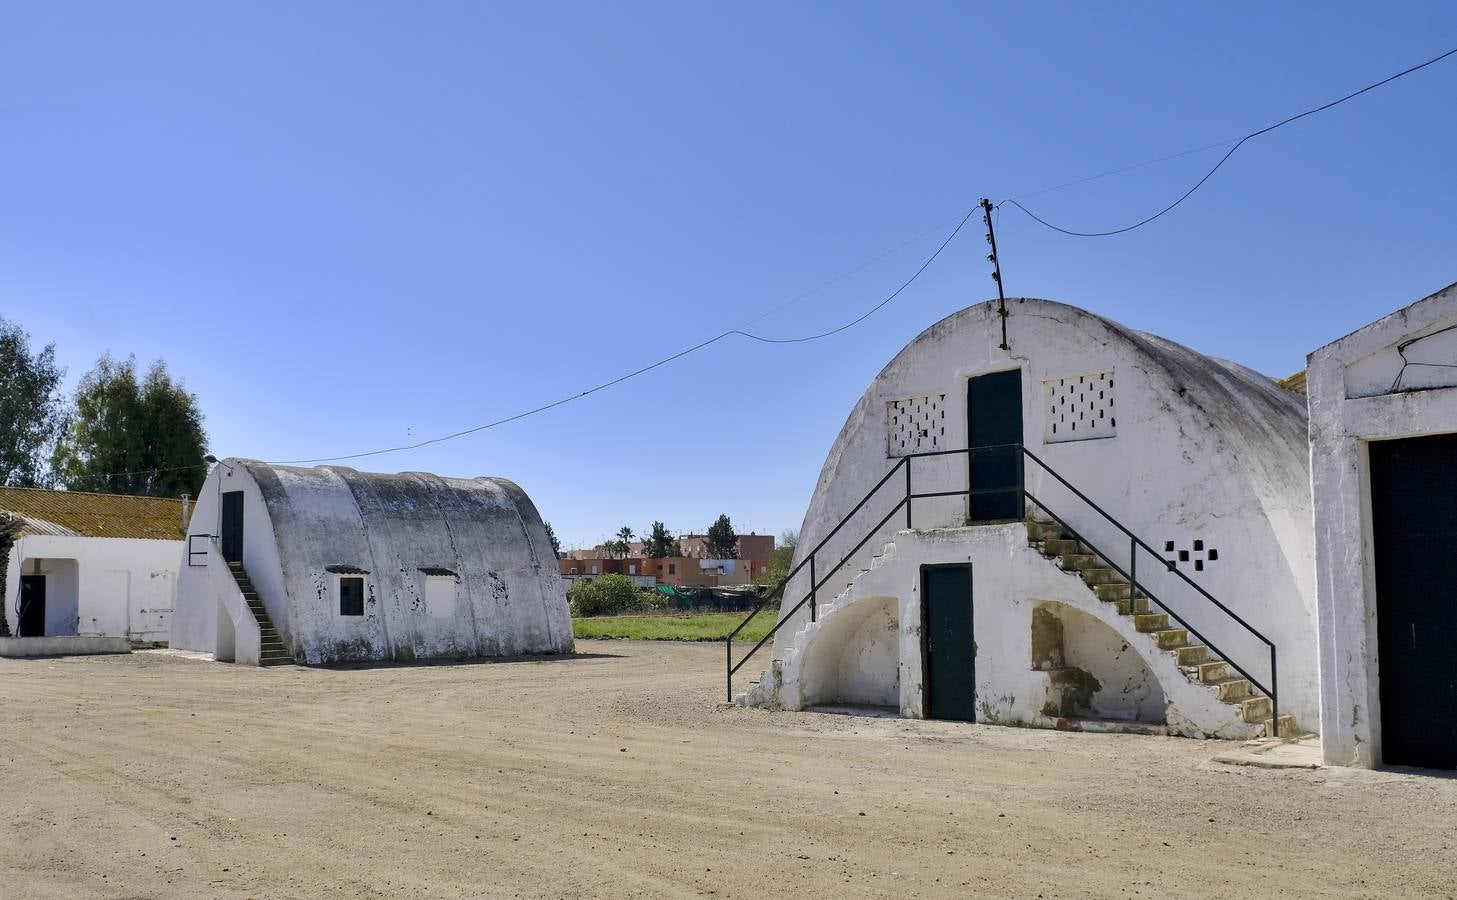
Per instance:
{"type": "Point", "coordinates": [131, 434]}
{"type": "Point", "coordinates": [693, 627]}
{"type": "Point", "coordinates": [605, 596]}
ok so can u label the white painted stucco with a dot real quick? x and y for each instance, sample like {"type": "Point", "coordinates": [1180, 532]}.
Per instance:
{"type": "Point", "coordinates": [505, 596]}
{"type": "Point", "coordinates": [1202, 449]}
{"type": "Point", "coordinates": [847, 657]}
{"type": "Point", "coordinates": [1359, 393]}
{"type": "Point", "coordinates": [98, 586]}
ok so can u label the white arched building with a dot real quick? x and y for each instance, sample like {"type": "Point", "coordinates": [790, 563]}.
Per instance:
{"type": "Point", "coordinates": [1142, 461]}
{"type": "Point", "coordinates": [330, 564]}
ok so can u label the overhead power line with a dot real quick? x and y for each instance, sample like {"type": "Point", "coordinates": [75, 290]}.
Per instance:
{"type": "Point", "coordinates": [1223, 159]}
{"type": "Point", "coordinates": [960, 219]}
{"type": "Point", "coordinates": [651, 366]}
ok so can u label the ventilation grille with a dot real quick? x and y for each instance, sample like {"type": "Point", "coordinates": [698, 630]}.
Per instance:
{"type": "Point", "coordinates": [1079, 408]}
{"type": "Point", "coordinates": [915, 425]}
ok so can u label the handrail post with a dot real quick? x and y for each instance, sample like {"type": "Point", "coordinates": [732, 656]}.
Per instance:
{"type": "Point", "coordinates": [1274, 697]}
{"type": "Point", "coordinates": [813, 589]}
{"type": "Point", "coordinates": [728, 653]}
{"type": "Point", "coordinates": [1133, 576]}
{"type": "Point", "coordinates": [907, 462]}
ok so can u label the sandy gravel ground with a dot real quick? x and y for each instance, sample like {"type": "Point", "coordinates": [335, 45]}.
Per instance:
{"type": "Point", "coordinates": [619, 775]}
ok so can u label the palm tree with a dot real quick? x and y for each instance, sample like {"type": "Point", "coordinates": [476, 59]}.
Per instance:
{"type": "Point", "coordinates": [624, 538]}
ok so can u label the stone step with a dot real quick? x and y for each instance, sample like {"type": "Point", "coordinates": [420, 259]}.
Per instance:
{"type": "Point", "coordinates": [1193, 655]}
{"type": "Point", "coordinates": [1059, 546]}
{"type": "Point", "coordinates": [1078, 562]}
{"type": "Point", "coordinates": [1287, 727]}
{"type": "Point", "coordinates": [1212, 672]}
{"type": "Point", "coordinates": [1150, 623]}
{"type": "Point", "coordinates": [1117, 591]}
{"type": "Point", "coordinates": [1233, 689]}
{"type": "Point", "coordinates": [1099, 575]}
{"type": "Point", "coordinates": [281, 661]}
{"type": "Point", "coordinates": [1042, 531]}
{"type": "Point", "coordinates": [1255, 709]}
{"type": "Point", "coordinates": [1128, 606]}
{"type": "Point", "coordinates": [1172, 639]}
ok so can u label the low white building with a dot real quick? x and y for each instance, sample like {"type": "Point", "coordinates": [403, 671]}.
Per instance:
{"type": "Point", "coordinates": [330, 565]}
{"type": "Point", "coordinates": [1383, 430]}
{"type": "Point", "coordinates": [92, 565]}
{"type": "Point", "coordinates": [1050, 519]}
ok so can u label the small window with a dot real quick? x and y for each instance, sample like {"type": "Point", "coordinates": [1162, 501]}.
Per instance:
{"type": "Point", "coordinates": [672, 568]}
{"type": "Point", "coordinates": [351, 595]}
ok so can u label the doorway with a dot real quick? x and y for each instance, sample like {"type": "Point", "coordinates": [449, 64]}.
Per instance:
{"type": "Point", "coordinates": [1414, 525]}
{"type": "Point", "coordinates": [994, 439]}
{"type": "Point", "coordinates": [31, 611]}
{"type": "Point", "coordinates": [948, 646]}
{"type": "Point", "coordinates": [231, 538]}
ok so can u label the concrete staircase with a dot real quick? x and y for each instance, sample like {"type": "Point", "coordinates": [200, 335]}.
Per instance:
{"type": "Point", "coordinates": [1198, 662]}
{"type": "Point", "coordinates": [272, 652]}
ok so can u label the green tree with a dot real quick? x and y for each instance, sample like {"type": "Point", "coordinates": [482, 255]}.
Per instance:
{"type": "Point", "coordinates": [130, 436]}
{"type": "Point", "coordinates": [781, 558]}
{"type": "Point", "coordinates": [605, 596]}
{"type": "Point", "coordinates": [723, 543]}
{"type": "Point", "coordinates": [624, 540]}
{"type": "Point", "coordinates": [556, 545]}
{"type": "Point", "coordinates": [659, 543]}
{"type": "Point", "coordinates": [30, 407]}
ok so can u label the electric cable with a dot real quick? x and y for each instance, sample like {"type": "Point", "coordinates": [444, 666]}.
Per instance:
{"type": "Point", "coordinates": [1225, 158]}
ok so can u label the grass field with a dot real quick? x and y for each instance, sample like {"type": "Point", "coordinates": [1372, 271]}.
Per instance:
{"type": "Point", "coordinates": [670, 627]}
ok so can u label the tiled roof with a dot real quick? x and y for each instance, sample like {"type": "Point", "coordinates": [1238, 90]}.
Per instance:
{"type": "Point", "coordinates": [94, 515]}
{"type": "Point", "coordinates": [1295, 384]}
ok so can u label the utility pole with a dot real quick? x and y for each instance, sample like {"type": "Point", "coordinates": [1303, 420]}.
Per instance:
{"type": "Point", "coordinates": [986, 217]}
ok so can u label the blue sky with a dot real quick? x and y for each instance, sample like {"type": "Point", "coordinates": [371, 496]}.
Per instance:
{"type": "Point", "coordinates": [352, 225]}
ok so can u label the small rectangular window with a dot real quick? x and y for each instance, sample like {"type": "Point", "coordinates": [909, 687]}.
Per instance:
{"type": "Point", "coordinates": [351, 595]}
{"type": "Point", "coordinates": [672, 568]}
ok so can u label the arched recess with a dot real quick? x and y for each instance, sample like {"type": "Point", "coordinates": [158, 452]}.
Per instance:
{"type": "Point", "coordinates": [854, 656]}
{"type": "Point", "coordinates": [1092, 672]}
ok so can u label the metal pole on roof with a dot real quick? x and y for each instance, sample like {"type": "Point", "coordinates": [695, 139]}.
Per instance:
{"type": "Point", "coordinates": [986, 217]}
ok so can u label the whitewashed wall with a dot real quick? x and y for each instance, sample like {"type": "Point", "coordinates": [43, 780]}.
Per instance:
{"type": "Point", "coordinates": [1203, 450]}
{"type": "Point", "coordinates": [506, 598]}
{"type": "Point", "coordinates": [114, 587]}
{"type": "Point", "coordinates": [1359, 393]}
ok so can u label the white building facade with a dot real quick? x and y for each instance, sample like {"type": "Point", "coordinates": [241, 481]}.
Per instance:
{"type": "Point", "coordinates": [330, 564]}
{"type": "Point", "coordinates": [1383, 431]}
{"type": "Point", "coordinates": [91, 565]}
{"type": "Point", "coordinates": [1143, 463]}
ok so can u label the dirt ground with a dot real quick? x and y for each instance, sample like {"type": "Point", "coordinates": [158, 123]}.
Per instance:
{"type": "Point", "coordinates": [617, 773]}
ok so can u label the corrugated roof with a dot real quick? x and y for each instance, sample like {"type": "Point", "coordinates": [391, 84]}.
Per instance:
{"type": "Point", "coordinates": [95, 515]}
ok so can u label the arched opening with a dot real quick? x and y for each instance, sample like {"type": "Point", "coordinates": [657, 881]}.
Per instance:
{"type": "Point", "coordinates": [854, 657]}
{"type": "Point", "coordinates": [1092, 672]}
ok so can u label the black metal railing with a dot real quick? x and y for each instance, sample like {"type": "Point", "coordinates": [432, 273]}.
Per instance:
{"type": "Point", "coordinates": [193, 552]}
{"type": "Point", "coordinates": [1128, 573]}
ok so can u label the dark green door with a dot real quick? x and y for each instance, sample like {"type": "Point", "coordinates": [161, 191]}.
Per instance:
{"type": "Point", "coordinates": [231, 539]}
{"type": "Point", "coordinates": [1414, 524]}
{"type": "Point", "coordinates": [994, 435]}
{"type": "Point", "coordinates": [32, 608]}
{"type": "Point", "coordinates": [950, 675]}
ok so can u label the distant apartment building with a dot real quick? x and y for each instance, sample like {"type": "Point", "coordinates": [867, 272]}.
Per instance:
{"type": "Point", "coordinates": [750, 546]}
{"type": "Point", "coordinates": [678, 571]}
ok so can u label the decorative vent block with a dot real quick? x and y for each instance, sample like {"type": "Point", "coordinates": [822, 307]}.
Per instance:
{"type": "Point", "coordinates": [1079, 408]}
{"type": "Point", "coordinates": [915, 425]}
